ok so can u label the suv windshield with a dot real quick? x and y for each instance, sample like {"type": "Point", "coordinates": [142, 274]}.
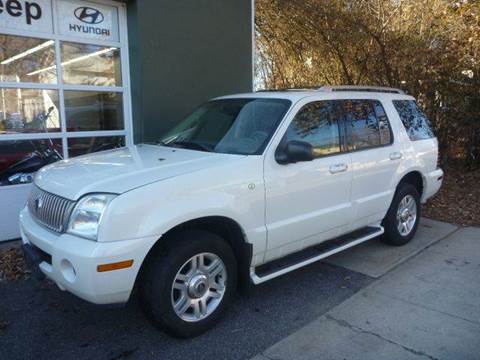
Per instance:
{"type": "Point", "coordinates": [232, 126]}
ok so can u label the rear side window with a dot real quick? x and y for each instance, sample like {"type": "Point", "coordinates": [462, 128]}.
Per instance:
{"type": "Point", "coordinates": [414, 120]}
{"type": "Point", "coordinates": [366, 124]}
{"type": "Point", "coordinates": [317, 124]}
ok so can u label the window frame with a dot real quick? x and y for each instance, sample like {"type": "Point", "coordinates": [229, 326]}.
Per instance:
{"type": "Point", "coordinates": [341, 130]}
{"type": "Point", "coordinates": [346, 142]}
{"type": "Point", "coordinates": [345, 146]}
{"type": "Point", "coordinates": [121, 44]}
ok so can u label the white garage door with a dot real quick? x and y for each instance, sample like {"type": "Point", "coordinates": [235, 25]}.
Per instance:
{"type": "Point", "coordinates": [64, 89]}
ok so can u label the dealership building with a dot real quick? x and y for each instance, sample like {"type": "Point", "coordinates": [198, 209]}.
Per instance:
{"type": "Point", "coordinates": [78, 77]}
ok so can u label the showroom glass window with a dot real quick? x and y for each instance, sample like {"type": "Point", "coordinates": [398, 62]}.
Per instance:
{"type": "Point", "coordinates": [61, 94]}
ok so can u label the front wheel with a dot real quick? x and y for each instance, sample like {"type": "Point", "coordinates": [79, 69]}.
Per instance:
{"type": "Point", "coordinates": [401, 221]}
{"type": "Point", "coordinates": [189, 282]}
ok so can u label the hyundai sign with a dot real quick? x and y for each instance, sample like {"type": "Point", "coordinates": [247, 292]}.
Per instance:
{"type": "Point", "coordinates": [74, 18]}
{"type": "Point", "coordinates": [90, 20]}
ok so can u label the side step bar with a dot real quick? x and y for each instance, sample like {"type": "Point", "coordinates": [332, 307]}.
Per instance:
{"type": "Point", "coordinates": [312, 254]}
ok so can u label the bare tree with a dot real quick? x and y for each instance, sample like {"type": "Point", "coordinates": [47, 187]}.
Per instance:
{"type": "Point", "coordinates": [431, 48]}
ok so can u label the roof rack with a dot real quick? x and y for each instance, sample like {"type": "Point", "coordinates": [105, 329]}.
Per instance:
{"type": "Point", "coordinates": [359, 88]}
{"type": "Point", "coordinates": [289, 89]}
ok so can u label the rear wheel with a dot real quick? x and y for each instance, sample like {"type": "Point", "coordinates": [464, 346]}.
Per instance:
{"type": "Point", "coordinates": [189, 282]}
{"type": "Point", "coordinates": [401, 221]}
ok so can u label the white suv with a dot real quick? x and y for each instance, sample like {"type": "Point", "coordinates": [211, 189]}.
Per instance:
{"type": "Point", "coordinates": [246, 188]}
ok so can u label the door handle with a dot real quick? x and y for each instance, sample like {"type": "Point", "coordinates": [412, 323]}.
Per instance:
{"type": "Point", "coordinates": [396, 155]}
{"type": "Point", "coordinates": [337, 168]}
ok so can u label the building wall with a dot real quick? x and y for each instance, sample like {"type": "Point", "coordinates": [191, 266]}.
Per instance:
{"type": "Point", "coordinates": [183, 52]}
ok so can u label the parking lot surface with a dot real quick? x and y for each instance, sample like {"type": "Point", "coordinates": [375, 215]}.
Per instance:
{"type": "Point", "coordinates": [41, 322]}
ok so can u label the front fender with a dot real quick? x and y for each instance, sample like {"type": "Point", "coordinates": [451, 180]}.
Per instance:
{"type": "Point", "coordinates": [234, 191]}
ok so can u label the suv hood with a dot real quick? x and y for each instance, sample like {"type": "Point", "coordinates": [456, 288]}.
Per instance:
{"type": "Point", "coordinates": [124, 169]}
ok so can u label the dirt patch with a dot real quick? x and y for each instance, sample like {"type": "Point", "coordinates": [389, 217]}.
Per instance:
{"type": "Point", "coordinates": [12, 265]}
{"type": "Point", "coordinates": [458, 201]}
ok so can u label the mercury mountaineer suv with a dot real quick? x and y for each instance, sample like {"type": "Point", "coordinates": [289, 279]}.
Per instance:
{"type": "Point", "coordinates": [246, 188]}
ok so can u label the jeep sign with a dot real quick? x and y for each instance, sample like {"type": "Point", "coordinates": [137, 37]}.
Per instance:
{"type": "Point", "coordinates": [30, 15]}
{"type": "Point", "coordinates": [90, 20]}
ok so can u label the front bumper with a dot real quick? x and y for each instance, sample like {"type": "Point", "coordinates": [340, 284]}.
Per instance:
{"type": "Point", "coordinates": [33, 258]}
{"type": "Point", "coordinates": [433, 182]}
{"type": "Point", "coordinates": [71, 262]}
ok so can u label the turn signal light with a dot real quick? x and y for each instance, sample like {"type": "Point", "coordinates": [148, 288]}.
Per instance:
{"type": "Point", "coordinates": [115, 266]}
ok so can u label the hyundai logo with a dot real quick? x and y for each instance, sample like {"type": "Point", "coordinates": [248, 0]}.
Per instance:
{"type": "Point", "coordinates": [89, 15]}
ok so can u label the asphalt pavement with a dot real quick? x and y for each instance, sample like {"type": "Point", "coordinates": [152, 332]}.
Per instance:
{"type": "Point", "coordinates": [332, 309]}
{"type": "Point", "coordinates": [44, 323]}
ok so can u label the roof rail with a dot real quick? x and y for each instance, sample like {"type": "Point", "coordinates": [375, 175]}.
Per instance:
{"type": "Point", "coordinates": [359, 88]}
{"type": "Point", "coordinates": [289, 89]}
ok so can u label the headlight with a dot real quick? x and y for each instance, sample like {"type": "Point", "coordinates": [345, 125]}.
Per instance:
{"type": "Point", "coordinates": [87, 214]}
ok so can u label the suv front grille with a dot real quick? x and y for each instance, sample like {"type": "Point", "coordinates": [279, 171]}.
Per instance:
{"type": "Point", "coordinates": [51, 211]}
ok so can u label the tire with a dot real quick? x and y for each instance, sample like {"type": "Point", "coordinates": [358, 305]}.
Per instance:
{"type": "Point", "coordinates": [400, 230]}
{"type": "Point", "coordinates": [198, 288]}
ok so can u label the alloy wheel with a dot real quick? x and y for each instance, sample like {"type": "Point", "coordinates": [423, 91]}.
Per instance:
{"type": "Point", "coordinates": [406, 215]}
{"type": "Point", "coordinates": [198, 287]}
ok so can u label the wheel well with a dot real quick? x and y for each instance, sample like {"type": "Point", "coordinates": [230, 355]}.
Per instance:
{"type": "Point", "coordinates": [227, 229]}
{"type": "Point", "coordinates": [414, 178]}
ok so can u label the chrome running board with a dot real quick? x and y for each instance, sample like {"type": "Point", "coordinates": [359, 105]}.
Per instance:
{"type": "Point", "coordinates": [312, 254]}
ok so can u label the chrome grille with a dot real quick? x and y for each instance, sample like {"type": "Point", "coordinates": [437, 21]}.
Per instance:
{"type": "Point", "coordinates": [52, 211]}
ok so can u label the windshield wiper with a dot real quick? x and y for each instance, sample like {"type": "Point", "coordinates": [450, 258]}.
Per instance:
{"type": "Point", "coordinates": [188, 145]}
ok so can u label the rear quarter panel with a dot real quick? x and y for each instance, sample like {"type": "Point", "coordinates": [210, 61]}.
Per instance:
{"type": "Point", "coordinates": [418, 155]}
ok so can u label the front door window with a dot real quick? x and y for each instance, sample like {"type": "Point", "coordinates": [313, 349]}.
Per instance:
{"type": "Point", "coordinates": [317, 124]}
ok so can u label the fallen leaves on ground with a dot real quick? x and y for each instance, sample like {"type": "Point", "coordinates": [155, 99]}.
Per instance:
{"type": "Point", "coordinates": [12, 265]}
{"type": "Point", "coordinates": [458, 201]}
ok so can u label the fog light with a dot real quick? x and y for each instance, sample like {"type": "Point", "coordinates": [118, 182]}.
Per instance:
{"type": "Point", "coordinates": [68, 271]}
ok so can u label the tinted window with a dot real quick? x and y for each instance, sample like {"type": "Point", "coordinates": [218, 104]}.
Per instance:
{"type": "Point", "coordinates": [414, 120]}
{"type": "Point", "coordinates": [366, 124]}
{"type": "Point", "coordinates": [317, 124]}
{"type": "Point", "coordinates": [383, 123]}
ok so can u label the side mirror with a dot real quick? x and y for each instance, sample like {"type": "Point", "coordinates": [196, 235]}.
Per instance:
{"type": "Point", "coordinates": [294, 151]}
